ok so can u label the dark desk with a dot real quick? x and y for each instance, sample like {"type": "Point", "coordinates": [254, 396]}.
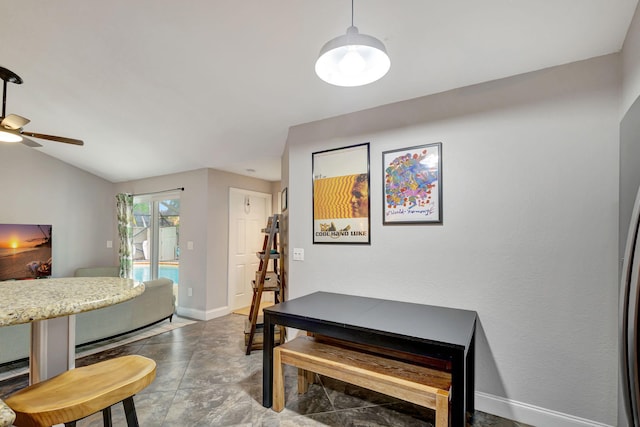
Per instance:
{"type": "Point", "coordinates": [445, 333]}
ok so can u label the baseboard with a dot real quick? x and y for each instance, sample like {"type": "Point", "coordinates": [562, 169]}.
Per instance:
{"type": "Point", "coordinates": [217, 312]}
{"type": "Point", "coordinates": [529, 414]}
{"type": "Point", "coordinates": [192, 313]}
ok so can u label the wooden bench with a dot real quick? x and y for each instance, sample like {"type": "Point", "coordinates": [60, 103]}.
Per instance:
{"type": "Point", "coordinates": [421, 385]}
{"type": "Point", "coordinates": [80, 392]}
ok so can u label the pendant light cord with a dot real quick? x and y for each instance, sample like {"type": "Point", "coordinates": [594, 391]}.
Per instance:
{"type": "Point", "coordinates": [352, 13]}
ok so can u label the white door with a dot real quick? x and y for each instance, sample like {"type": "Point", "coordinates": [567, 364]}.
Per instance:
{"type": "Point", "coordinates": [248, 214]}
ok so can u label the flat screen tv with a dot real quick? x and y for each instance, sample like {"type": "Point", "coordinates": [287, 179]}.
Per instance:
{"type": "Point", "coordinates": [25, 251]}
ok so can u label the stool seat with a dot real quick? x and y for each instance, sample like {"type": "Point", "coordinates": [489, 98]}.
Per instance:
{"type": "Point", "coordinates": [80, 392]}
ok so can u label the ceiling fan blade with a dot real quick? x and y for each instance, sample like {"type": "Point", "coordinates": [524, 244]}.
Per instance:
{"type": "Point", "coordinates": [30, 143]}
{"type": "Point", "coordinates": [54, 138]}
{"type": "Point", "coordinates": [14, 121]}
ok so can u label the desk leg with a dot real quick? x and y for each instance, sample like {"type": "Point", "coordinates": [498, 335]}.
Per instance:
{"type": "Point", "coordinates": [458, 383]}
{"type": "Point", "coordinates": [52, 348]}
{"type": "Point", "coordinates": [267, 362]}
{"type": "Point", "coordinates": [470, 390]}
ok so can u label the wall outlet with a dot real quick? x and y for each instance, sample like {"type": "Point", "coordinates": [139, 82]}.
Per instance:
{"type": "Point", "coordinates": [190, 245]}
{"type": "Point", "coordinates": [109, 243]}
{"type": "Point", "coordinates": [298, 254]}
{"type": "Point", "coordinates": [189, 292]}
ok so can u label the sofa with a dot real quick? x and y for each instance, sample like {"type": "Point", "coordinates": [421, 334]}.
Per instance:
{"type": "Point", "coordinates": [156, 304]}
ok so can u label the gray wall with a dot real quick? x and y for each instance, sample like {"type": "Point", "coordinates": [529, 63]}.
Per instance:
{"type": "Point", "coordinates": [629, 142]}
{"type": "Point", "coordinates": [43, 190]}
{"type": "Point", "coordinates": [630, 126]}
{"type": "Point", "coordinates": [631, 64]}
{"type": "Point", "coordinates": [629, 184]}
{"type": "Point", "coordinates": [629, 169]}
{"type": "Point", "coordinates": [38, 189]}
{"type": "Point", "coordinates": [529, 239]}
{"type": "Point", "coordinates": [218, 257]}
{"type": "Point", "coordinates": [193, 226]}
{"type": "Point", "coordinates": [204, 220]}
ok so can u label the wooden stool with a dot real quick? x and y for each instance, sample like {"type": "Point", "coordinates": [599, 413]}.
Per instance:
{"type": "Point", "coordinates": [80, 392]}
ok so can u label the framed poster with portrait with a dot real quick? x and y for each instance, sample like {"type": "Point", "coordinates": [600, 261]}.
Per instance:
{"type": "Point", "coordinates": [412, 185]}
{"type": "Point", "coordinates": [341, 195]}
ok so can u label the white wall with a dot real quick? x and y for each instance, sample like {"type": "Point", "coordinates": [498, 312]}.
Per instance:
{"type": "Point", "coordinates": [529, 239]}
{"type": "Point", "coordinates": [38, 189]}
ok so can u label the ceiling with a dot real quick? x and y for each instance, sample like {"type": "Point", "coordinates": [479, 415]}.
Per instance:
{"type": "Point", "coordinates": [156, 87]}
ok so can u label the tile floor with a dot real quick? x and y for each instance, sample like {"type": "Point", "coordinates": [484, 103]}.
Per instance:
{"type": "Point", "coordinates": [205, 379]}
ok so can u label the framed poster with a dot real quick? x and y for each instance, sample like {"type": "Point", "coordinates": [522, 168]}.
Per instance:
{"type": "Point", "coordinates": [412, 186]}
{"type": "Point", "coordinates": [341, 195]}
{"type": "Point", "coordinates": [284, 200]}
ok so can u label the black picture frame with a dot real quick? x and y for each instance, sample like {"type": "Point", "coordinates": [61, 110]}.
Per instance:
{"type": "Point", "coordinates": [412, 185]}
{"type": "Point", "coordinates": [284, 199]}
{"type": "Point", "coordinates": [341, 195]}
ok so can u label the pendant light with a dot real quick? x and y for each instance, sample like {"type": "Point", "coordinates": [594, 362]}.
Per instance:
{"type": "Point", "coordinates": [352, 59]}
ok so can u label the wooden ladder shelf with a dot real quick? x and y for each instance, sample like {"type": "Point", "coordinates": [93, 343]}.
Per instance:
{"type": "Point", "coordinates": [265, 281]}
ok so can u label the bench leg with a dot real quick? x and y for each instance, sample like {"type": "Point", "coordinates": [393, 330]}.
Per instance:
{"type": "Point", "coordinates": [308, 378]}
{"type": "Point", "coordinates": [130, 412]}
{"type": "Point", "coordinates": [305, 379]}
{"type": "Point", "coordinates": [442, 409]}
{"type": "Point", "coordinates": [303, 385]}
{"type": "Point", "coordinates": [106, 417]}
{"type": "Point", "coordinates": [278, 381]}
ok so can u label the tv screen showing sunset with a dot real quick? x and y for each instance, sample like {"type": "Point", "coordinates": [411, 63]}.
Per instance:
{"type": "Point", "coordinates": [25, 251]}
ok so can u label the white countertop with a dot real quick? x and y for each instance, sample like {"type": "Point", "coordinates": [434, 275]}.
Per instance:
{"type": "Point", "coordinates": [23, 301]}
{"type": "Point", "coordinates": [7, 416]}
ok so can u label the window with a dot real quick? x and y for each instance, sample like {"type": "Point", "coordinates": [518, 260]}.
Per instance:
{"type": "Point", "coordinates": [156, 237]}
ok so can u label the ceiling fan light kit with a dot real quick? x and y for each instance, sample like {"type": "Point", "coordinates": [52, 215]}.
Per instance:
{"type": "Point", "coordinates": [352, 59]}
{"type": "Point", "coordinates": [11, 125]}
{"type": "Point", "coordinates": [7, 136]}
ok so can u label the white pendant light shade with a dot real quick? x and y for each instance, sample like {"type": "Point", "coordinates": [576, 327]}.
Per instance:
{"type": "Point", "coordinates": [353, 59]}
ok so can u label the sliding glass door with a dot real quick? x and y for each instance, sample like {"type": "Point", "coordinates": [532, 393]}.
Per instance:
{"type": "Point", "coordinates": [156, 237]}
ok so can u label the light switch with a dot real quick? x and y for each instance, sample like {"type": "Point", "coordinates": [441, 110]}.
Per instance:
{"type": "Point", "coordinates": [190, 245]}
{"type": "Point", "coordinates": [298, 254]}
{"type": "Point", "coordinates": [109, 243]}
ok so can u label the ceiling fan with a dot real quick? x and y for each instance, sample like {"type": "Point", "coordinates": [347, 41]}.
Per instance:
{"type": "Point", "coordinates": [11, 125]}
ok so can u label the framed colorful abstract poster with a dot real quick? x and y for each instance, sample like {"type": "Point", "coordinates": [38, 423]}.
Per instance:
{"type": "Point", "coordinates": [341, 195]}
{"type": "Point", "coordinates": [412, 186]}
